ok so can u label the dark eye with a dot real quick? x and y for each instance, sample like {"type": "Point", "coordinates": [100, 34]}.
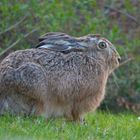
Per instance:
{"type": "Point", "coordinates": [102, 45]}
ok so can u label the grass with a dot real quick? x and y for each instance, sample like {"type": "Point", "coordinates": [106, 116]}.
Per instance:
{"type": "Point", "coordinates": [100, 126]}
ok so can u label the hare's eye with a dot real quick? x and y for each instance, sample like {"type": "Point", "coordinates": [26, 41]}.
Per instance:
{"type": "Point", "coordinates": [102, 45]}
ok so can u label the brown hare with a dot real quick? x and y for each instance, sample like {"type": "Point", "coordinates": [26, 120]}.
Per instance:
{"type": "Point", "coordinates": [63, 76]}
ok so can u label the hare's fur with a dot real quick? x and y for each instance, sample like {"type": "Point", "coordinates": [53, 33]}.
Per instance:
{"type": "Point", "coordinates": [43, 82]}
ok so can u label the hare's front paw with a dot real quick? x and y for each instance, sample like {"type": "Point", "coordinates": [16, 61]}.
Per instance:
{"type": "Point", "coordinates": [75, 118]}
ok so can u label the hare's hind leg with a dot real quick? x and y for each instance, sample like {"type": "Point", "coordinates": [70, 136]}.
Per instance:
{"type": "Point", "coordinates": [31, 82]}
{"type": "Point", "coordinates": [14, 103]}
{"type": "Point", "coordinates": [22, 90]}
{"type": "Point", "coordinates": [18, 104]}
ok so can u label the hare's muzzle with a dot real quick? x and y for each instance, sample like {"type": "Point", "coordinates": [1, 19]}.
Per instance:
{"type": "Point", "coordinates": [117, 55]}
{"type": "Point", "coordinates": [119, 59]}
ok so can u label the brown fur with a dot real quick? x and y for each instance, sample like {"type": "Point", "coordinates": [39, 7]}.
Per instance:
{"type": "Point", "coordinates": [49, 83]}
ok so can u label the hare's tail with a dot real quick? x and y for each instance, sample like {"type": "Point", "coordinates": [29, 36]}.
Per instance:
{"type": "Point", "coordinates": [3, 101]}
{"type": "Point", "coordinates": [6, 81]}
{"type": "Point", "coordinates": [3, 106]}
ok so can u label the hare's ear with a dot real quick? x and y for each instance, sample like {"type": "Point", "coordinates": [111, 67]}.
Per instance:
{"type": "Point", "coordinates": [61, 47]}
{"type": "Point", "coordinates": [51, 35]}
{"type": "Point", "coordinates": [60, 42]}
{"type": "Point", "coordinates": [94, 35]}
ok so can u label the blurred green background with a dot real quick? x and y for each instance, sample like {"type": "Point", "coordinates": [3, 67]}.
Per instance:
{"type": "Point", "coordinates": [23, 21]}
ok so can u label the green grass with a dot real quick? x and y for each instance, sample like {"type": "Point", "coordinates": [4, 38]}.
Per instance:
{"type": "Point", "coordinates": [100, 126]}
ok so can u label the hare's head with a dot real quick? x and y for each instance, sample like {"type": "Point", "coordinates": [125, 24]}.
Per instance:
{"type": "Point", "coordinates": [101, 49]}
{"type": "Point", "coordinates": [98, 48]}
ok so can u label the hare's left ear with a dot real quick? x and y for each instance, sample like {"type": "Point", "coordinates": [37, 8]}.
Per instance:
{"type": "Point", "coordinates": [60, 42]}
{"type": "Point", "coordinates": [61, 46]}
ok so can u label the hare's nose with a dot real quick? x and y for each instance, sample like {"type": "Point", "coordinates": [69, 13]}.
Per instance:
{"type": "Point", "coordinates": [119, 59]}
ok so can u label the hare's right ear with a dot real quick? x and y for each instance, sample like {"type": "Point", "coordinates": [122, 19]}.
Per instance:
{"type": "Point", "coordinates": [52, 35]}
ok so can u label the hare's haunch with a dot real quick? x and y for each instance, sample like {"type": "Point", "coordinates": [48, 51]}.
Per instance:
{"type": "Point", "coordinates": [62, 76]}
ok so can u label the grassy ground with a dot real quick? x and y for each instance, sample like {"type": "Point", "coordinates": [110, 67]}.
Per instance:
{"type": "Point", "coordinates": [100, 126]}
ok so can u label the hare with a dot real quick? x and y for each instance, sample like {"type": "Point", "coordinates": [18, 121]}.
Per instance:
{"type": "Point", "coordinates": [63, 76]}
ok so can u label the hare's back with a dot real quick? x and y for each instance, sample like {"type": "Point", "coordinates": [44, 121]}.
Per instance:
{"type": "Point", "coordinates": [17, 58]}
